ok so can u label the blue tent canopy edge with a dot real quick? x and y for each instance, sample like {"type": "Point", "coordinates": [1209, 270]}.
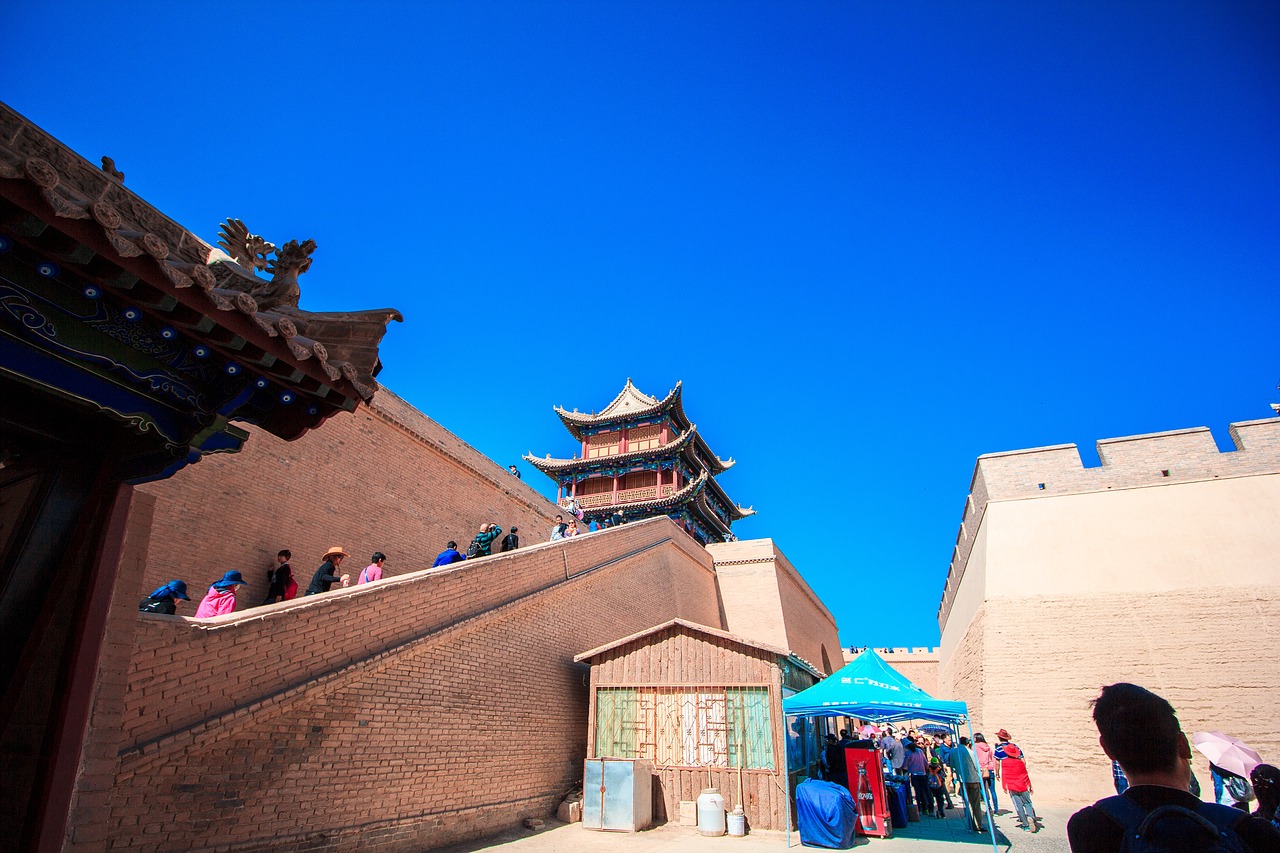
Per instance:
{"type": "Point", "coordinates": [869, 689]}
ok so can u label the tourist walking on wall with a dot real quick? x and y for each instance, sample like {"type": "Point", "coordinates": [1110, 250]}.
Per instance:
{"type": "Point", "coordinates": [448, 555]}
{"type": "Point", "coordinates": [988, 766]}
{"type": "Point", "coordinates": [515, 471]}
{"type": "Point", "coordinates": [373, 571]}
{"type": "Point", "coordinates": [573, 529]}
{"type": "Point", "coordinates": [511, 541]}
{"type": "Point", "coordinates": [279, 576]}
{"type": "Point", "coordinates": [482, 545]}
{"type": "Point", "coordinates": [966, 770]}
{"type": "Point", "coordinates": [164, 599]}
{"type": "Point", "coordinates": [1141, 731]}
{"type": "Point", "coordinates": [557, 531]}
{"type": "Point", "coordinates": [327, 575]}
{"type": "Point", "coordinates": [221, 597]}
{"type": "Point", "coordinates": [1017, 784]}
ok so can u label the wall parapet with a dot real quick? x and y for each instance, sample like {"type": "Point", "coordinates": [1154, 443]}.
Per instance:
{"type": "Point", "coordinates": [1130, 462]}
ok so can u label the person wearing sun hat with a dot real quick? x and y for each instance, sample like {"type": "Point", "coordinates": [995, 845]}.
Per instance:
{"type": "Point", "coordinates": [327, 575]}
{"type": "Point", "coordinates": [163, 599]}
{"type": "Point", "coordinates": [221, 597]}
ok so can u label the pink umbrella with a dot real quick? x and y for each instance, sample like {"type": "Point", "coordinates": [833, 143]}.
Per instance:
{"type": "Point", "coordinates": [1227, 752]}
{"type": "Point", "coordinates": [869, 730]}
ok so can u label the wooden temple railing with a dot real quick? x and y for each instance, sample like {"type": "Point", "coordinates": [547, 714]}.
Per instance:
{"type": "Point", "coordinates": [645, 493]}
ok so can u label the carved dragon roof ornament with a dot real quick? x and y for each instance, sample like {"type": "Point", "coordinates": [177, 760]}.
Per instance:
{"type": "Point", "coordinates": [248, 250]}
{"type": "Point", "coordinates": [251, 252]}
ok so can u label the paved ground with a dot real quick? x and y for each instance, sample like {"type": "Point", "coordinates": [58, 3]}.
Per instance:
{"type": "Point", "coordinates": [930, 835]}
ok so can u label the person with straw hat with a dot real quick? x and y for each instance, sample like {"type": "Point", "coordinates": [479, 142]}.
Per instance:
{"type": "Point", "coordinates": [327, 574]}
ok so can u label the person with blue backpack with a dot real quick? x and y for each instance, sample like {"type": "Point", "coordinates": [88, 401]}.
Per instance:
{"type": "Point", "coordinates": [1157, 812]}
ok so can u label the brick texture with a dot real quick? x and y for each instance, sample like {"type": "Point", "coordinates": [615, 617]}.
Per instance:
{"type": "Point", "coordinates": [384, 478]}
{"type": "Point", "coordinates": [420, 711]}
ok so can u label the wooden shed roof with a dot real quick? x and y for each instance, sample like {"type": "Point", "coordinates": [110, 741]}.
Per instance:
{"type": "Point", "coordinates": [699, 629]}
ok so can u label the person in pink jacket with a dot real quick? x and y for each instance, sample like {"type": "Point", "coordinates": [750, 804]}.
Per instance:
{"type": "Point", "coordinates": [988, 767]}
{"type": "Point", "coordinates": [221, 597]}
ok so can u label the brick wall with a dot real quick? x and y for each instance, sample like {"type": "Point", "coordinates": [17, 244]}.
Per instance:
{"type": "Point", "coordinates": [384, 478]}
{"type": "Point", "coordinates": [397, 716]}
{"type": "Point", "coordinates": [88, 819]}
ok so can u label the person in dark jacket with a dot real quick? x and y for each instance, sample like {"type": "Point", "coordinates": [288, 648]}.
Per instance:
{"type": "Point", "coordinates": [511, 541]}
{"type": "Point", "coordinates": [163, 600]}
{"type": "Point", "coordinates": [1141, 731]}
{"type": "Point", "coordinates": [327, 574]}
{"type": "Point", "coordinates": [278, 577]}
{"type": "Point", "coordinates": [448, 555]}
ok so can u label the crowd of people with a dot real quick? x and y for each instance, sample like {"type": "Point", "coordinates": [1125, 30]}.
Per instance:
{"type": "Point", "coordinates": [1158, 804]}
{"type": "Point", "coordinates": [938, 774]}
{"type": "Point", "coordinates": [281, 586]}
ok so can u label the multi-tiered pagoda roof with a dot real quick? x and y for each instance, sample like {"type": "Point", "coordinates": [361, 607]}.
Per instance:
{"type": "Point", "coordinates": [641, 457]}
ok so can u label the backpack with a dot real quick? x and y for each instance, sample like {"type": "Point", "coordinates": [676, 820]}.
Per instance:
{"type": "Point", "coordinates": [1209, 827]}
{"type": "Point", "coordinates": [473, 550]}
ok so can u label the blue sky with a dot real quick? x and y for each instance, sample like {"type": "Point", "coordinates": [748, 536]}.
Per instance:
{"type": "Point", "coordinates": [874, 240]}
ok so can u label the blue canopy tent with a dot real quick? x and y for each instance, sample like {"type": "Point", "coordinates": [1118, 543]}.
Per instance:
{"type": "Point", "coordinates": [870, 689]}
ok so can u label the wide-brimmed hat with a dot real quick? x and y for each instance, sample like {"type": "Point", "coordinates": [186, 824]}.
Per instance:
{"type": "Point", "coordinates": [335, 551]}
{"type": "Point", "coordinates": [173, 589]}
{"type": "Point", "coordinates": [230, 579]}
{"type": "Point", "coordinates": [1003, 734]}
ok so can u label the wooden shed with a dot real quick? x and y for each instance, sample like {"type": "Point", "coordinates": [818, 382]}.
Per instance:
{"type": "Point", "coordinates": [705, 707]}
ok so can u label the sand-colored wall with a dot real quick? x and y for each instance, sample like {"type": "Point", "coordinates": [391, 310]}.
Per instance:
{"type": "Point", "coordinates": [1121, 573]}
{"type": "Point", "coordinates": [765, 599]}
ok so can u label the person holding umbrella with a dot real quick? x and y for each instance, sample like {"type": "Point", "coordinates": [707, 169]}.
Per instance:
{"type": "Point", "coordinates": [1230, 762]}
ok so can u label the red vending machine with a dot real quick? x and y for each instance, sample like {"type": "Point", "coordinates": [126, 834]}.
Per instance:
{"type": "Point", "coordinates": [866, 783]}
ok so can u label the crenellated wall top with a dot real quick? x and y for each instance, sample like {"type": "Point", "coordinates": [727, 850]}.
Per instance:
{"type": "Point", "coordinates": [1130, 462]}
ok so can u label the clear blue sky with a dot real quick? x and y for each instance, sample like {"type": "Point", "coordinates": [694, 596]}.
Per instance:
{"type": "Point", "coordinates": [875, 240]}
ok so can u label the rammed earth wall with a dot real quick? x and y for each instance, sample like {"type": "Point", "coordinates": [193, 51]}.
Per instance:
{"type": "Point", "coordinates": [1159, 567]}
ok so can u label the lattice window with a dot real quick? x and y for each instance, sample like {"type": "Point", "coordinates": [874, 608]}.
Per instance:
{"type": "Point", "coordinates": [603, 444]}
{"type": "Point", "coordinates": [639, 480]}
{"type": "Point", "coordinates": [644, 438]}
{"type": "Point", "coordinates": [686, 726]}
{"type": "Point", "coordinates": [595, 486]}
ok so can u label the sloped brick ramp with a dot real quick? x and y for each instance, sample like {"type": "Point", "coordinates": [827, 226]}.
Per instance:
{"type": "Point", "coordinates": [419, 711]}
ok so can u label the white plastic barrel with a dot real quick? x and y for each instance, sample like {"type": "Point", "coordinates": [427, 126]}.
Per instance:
{"type": "Point", "coordinates": [737, 823]}
{"type": "Point", "coordinates": [711, 812]}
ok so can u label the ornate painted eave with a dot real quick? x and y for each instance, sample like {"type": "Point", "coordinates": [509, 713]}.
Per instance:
{"type": "Point", "coordinates": [631, 403]}
{"type": "Point", "coordinates": [57, 205]}
{"type": "Point", "coordinates": [550, 464]}
{"type": "Point", "coordinates": [736, 512]}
